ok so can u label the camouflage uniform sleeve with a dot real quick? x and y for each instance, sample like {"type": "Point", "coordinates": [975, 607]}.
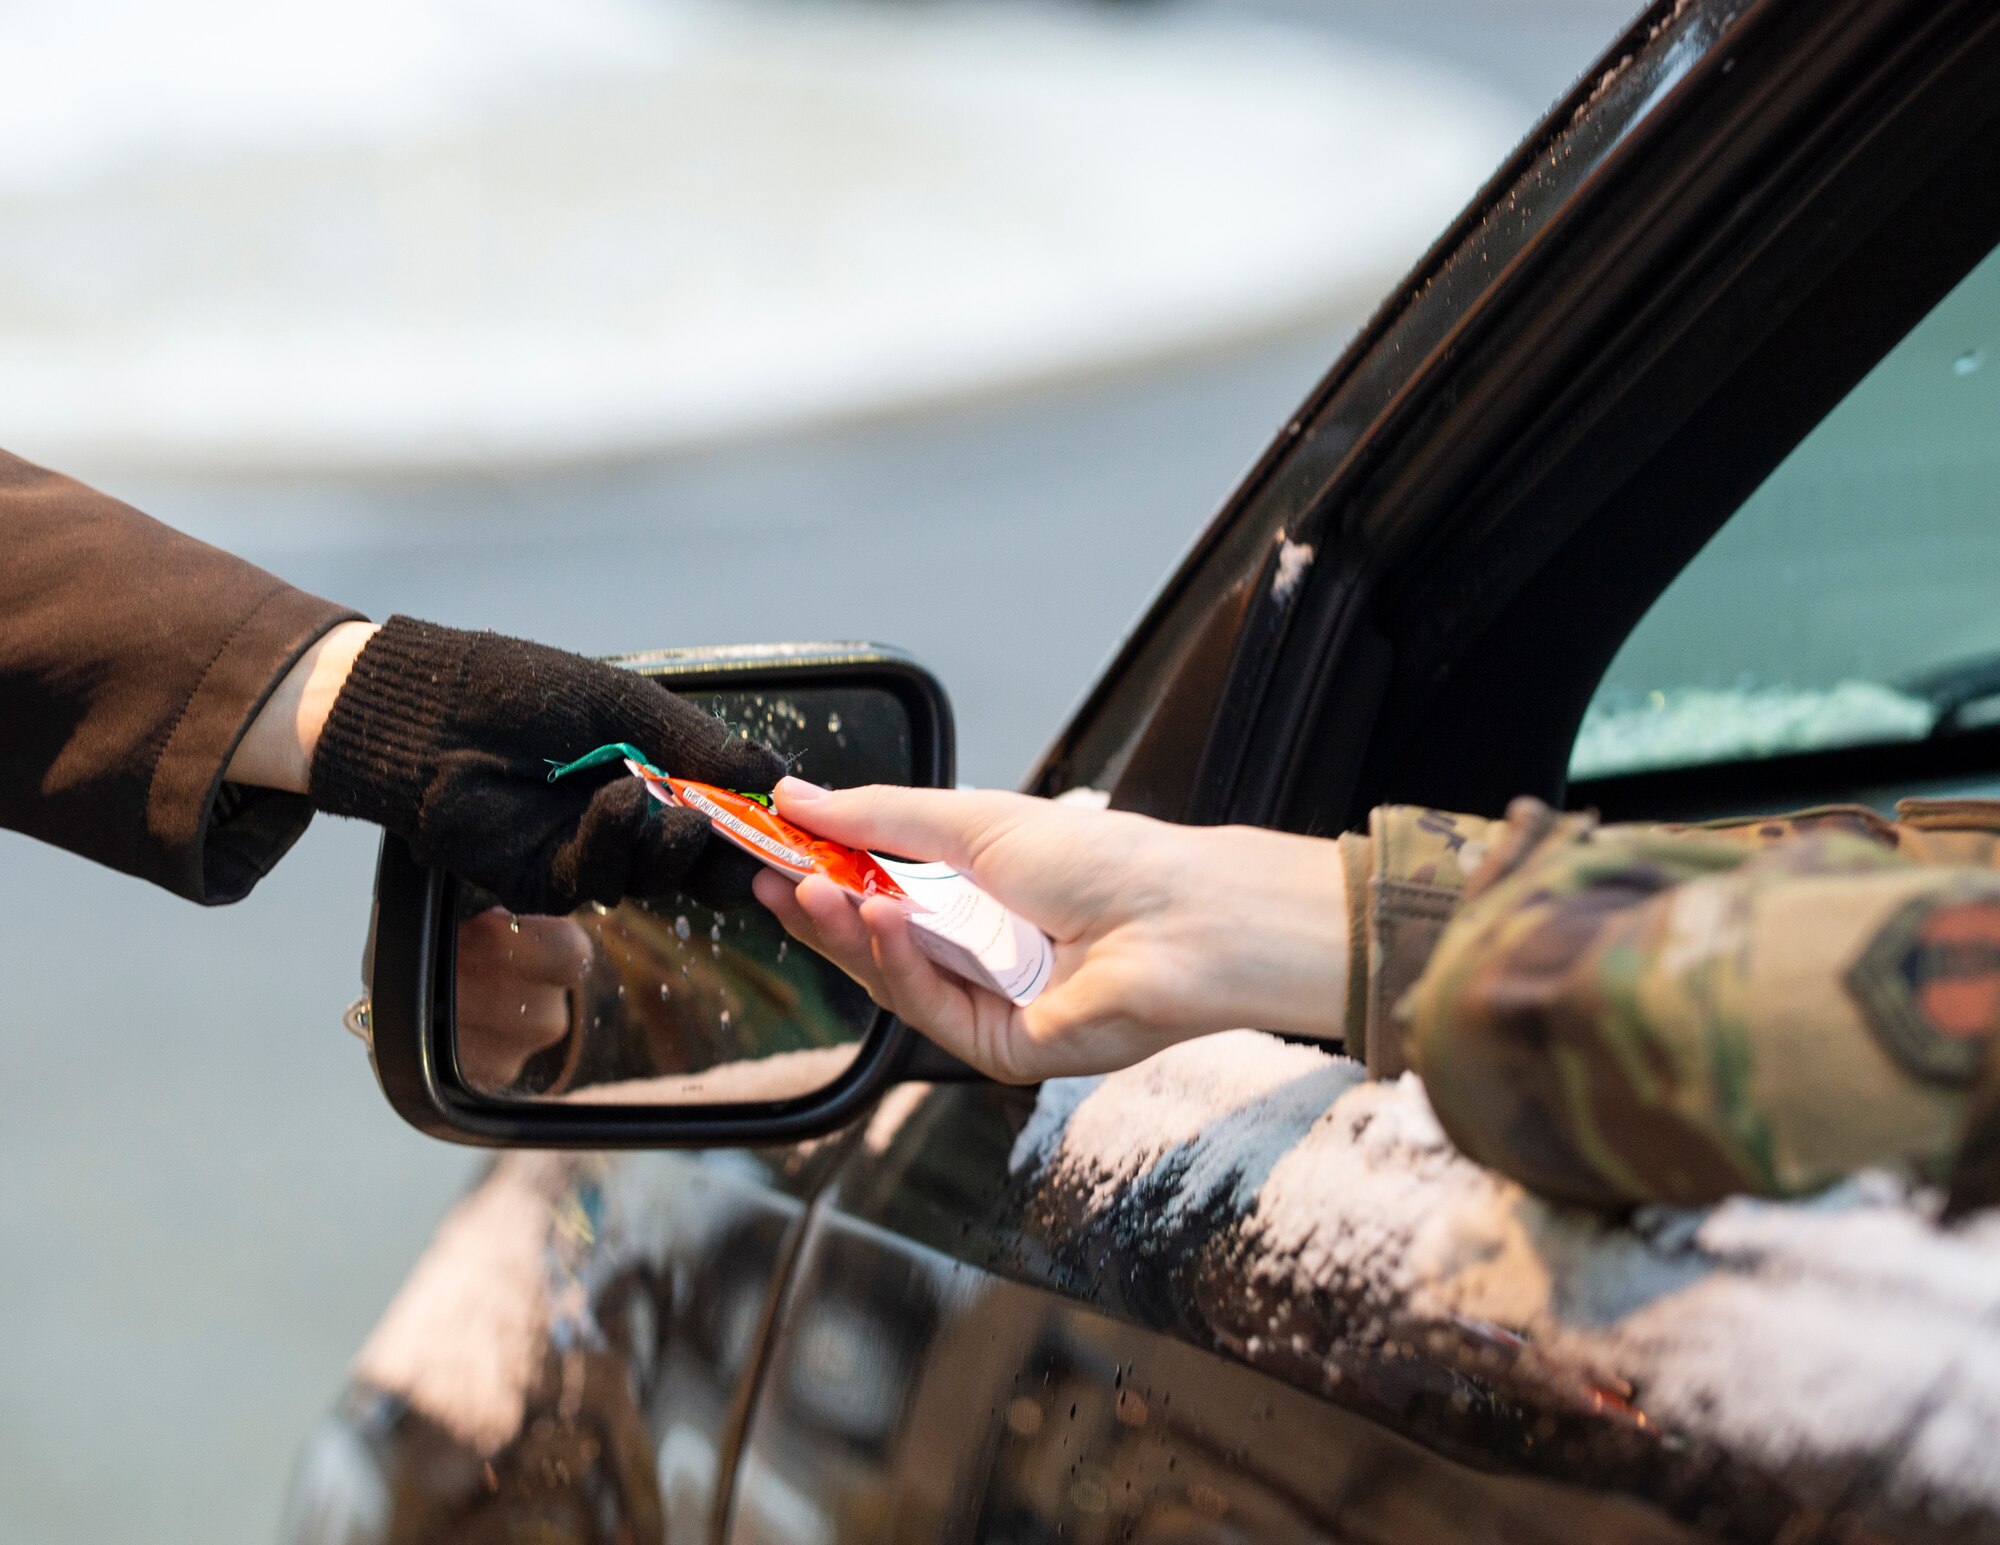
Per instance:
{"type": "Point", "coordinates": [1404, 875]}
{"type": "Point", "coordinates": [1628, 1014]}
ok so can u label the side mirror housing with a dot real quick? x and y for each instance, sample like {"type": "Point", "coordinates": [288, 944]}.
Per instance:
{"type": "Point", "coordinates": [661, 1023]}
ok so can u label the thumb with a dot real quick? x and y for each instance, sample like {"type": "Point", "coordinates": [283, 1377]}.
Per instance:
{"type": "Point", "coordinates": [944, 825]}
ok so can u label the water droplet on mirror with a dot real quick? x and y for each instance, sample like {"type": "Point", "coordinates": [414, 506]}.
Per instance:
{"type": "Point", "coordinates": [784, 948]}
{"type": "Point", "coordinates": [1968, 362]}
{"type": "Point", "coordinates": [715, 929]}
{"type": "Point", "coordinates": [663, 992]}
{"type": "Point", "coordinates": [513, 923]}
{"type": "Point", "coordinates": [833, 724]}
{"type": "Point", "coordinates": [621, 989]}
{"type": "Point", "coordinates": [681, 928]}
{"type": "Point", "coordinates": [725, 1019]}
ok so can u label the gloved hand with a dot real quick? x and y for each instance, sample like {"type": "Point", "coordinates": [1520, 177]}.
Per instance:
{"type": "Point", "coordinates": [446, 738]}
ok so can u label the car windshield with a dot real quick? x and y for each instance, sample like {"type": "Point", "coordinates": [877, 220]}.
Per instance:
{"type": "Point", "coordinates": [1850, 601]}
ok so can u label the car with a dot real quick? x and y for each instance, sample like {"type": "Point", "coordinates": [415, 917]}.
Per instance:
{"type": "Point", "coordinates": [1668, 484]}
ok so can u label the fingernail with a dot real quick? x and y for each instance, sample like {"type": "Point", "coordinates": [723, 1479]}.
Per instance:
{"type": "Point", "coordinates": [800, 791]}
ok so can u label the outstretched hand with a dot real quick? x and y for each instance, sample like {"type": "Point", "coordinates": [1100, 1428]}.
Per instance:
{"type": "Point", "coordinates": [446, 738]}
{"type": "Point", "coordinates": [1161, 932]}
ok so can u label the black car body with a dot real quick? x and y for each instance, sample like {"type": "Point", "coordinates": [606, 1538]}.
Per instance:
{"type": "Point", "coordinates": [973, 1316]}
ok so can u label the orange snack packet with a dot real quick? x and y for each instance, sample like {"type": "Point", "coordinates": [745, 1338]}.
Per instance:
{"type": "Point", "coordinates": [765, 835]}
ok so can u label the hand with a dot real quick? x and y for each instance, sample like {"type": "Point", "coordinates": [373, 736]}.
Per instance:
{"type": "Point", "coordinates": [1162, 932]}
{"type": "Point", "coordinates": [446, 738]}
{"type": "Point", "coordinates": [512, 1000]}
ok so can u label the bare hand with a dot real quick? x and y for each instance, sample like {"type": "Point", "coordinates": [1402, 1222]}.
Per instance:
{"type": "Point", "coordinates": [1162, 932]}
{"type": "Point", "coordinates": [514, 979]}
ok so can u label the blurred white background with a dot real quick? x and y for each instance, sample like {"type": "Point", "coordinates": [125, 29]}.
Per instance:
{"type": "Point", "coordinates": [470, 232]}
{"type": "Point", "coordinates": [556, 316]}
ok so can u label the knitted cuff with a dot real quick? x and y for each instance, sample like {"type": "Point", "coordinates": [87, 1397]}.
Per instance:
{"type": "Point", "coordinates": [378, 751]}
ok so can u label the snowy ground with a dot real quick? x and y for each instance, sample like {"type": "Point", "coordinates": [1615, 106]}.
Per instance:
{"type": "Point", "coordinates": [428, 232]}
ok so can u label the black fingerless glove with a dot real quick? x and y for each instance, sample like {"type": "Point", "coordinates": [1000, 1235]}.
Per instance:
{"type": "Point", "coordinates": [446, 738]}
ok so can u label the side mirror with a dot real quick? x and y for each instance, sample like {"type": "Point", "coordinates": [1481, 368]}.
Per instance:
{"type": "Point", "coordinates": [658, 1023]}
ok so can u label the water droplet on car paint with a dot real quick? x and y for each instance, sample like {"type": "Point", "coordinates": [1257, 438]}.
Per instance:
{"type": "Point", "coordinates": [1968, 362]}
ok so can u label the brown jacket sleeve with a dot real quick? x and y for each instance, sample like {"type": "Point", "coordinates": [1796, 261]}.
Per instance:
{"type": "Point", "coordinates": [132, 659]}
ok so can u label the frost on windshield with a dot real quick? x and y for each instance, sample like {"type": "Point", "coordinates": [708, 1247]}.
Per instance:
{"type": "Point", "coordinates": [1627, 731]}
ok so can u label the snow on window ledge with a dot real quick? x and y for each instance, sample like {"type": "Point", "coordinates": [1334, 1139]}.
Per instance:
{"type": "Point", "coordinates": [1797, 1336]}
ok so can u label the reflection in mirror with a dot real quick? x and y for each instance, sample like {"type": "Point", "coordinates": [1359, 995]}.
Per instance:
{"type": "Point", "coordinates": [667, 1001]}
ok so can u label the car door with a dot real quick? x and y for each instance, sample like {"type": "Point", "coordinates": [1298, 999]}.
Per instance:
{"type": "Point", "coordinates": [1239, 1293]}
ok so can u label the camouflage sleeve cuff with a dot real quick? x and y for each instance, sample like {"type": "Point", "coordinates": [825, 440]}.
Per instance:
{"type": "Point", "coordinates": [1404, 882]}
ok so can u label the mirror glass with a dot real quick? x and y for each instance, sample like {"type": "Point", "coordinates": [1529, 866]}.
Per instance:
{"type": "Point", "coordinates": [669, 1002]}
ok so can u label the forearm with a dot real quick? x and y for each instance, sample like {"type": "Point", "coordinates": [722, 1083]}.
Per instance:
{"type": "Point", "coordinates": [132, 659]}
{"type": "Point", "coordinates": [1274, 907]}
{"type": "Point", "coordinates": [276, 751]}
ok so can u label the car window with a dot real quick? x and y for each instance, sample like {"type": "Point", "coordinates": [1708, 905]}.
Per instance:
{"type": "Point", "coordinates": [1851, 600]}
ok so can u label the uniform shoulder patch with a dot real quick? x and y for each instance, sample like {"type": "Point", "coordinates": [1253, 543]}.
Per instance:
{"type": "Point", "coordinates": [1928, 985]}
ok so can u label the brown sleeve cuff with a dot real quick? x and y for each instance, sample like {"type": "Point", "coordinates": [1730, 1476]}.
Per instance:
{"type": "Point", "coordinates": [208, 840]}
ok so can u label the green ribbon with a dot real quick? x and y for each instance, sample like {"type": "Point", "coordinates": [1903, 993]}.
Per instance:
{"type": "Point", "coordinates": [617, 751]}
{"type": "Point", "coordinates": [625, 751]}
